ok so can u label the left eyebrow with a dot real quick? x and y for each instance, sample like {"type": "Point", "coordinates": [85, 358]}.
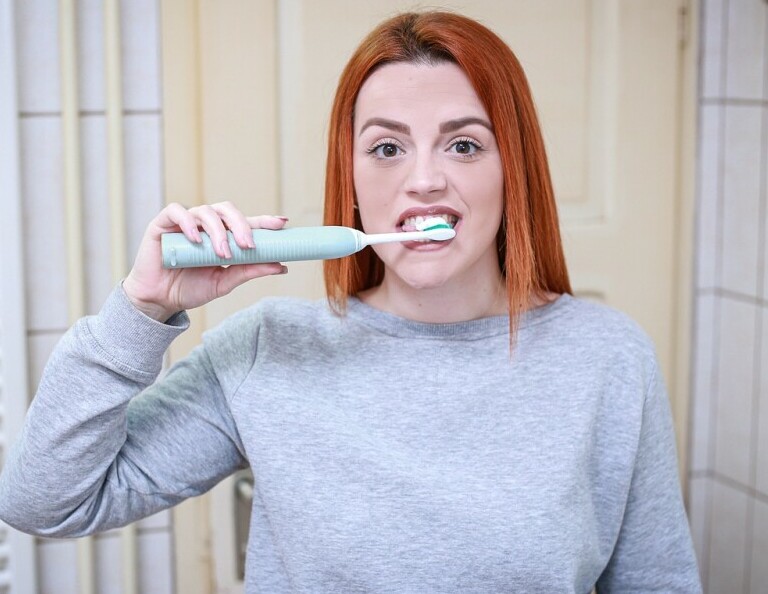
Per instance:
{"type": "Point", "coordinates": [453, 125]}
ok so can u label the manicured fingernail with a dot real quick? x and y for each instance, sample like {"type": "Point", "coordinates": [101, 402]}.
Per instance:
{"type": "Point", "coordinates": [225, 249]}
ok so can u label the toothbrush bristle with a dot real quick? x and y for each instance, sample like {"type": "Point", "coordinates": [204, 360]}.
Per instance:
{"type": "Point", "coordinates": [440, 233]}
{"type": "Point", "coordinates": [433, 223]}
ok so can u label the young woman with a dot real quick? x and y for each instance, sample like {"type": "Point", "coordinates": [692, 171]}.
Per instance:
{"type": "Point", "coordinates": [450, 420]}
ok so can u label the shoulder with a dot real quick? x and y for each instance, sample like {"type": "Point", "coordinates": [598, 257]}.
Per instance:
{"type": "Point", "coordinates": [269, 314]}
{"type": "Point", "coordinates": [603, 338]}
{"type": "Point", "coordinates": [273, 321]}
{"type": "Point", "coordinates": [604, 325]}
{"type": "Point", "coordinates": [263, 329]}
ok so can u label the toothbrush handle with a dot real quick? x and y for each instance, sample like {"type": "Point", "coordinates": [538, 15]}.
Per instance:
{"type": "Point", "coordinates": [285, 245]}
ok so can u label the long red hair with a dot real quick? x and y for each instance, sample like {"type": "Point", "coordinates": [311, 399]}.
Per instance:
{"type": "Point", "coordinates": [530, 249]}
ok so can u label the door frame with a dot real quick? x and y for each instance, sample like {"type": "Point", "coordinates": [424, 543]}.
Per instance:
{"type": "Point", "coordinates": [186, 93]}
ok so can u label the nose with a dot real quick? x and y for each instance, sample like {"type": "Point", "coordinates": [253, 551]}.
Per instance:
{"type": "Point", "coordinates": [426, 175]}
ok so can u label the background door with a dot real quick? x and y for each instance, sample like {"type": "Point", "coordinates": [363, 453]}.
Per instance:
{"type": "Point", "coordinates": [247, 92]}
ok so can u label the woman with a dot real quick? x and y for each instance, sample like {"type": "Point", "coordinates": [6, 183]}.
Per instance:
{"type": "Point", "coordinates": [454, 421]}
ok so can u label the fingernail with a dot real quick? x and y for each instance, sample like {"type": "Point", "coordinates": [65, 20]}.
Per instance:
{"type": "Point", "coordinates": [225, 249]}
{"type": "Point", "coordinates": [249, 241]}
{"type": "Point", "coordinates": [282, 218]}
{"type": "Point", "coordinates": [283, 270]}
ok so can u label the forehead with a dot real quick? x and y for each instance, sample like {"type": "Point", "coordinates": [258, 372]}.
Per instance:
{"type": "Point", "coordinates": [404, 89]}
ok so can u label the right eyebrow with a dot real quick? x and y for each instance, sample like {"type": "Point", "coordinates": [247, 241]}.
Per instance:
{"type": "Point", "coordinates": [385, 123]}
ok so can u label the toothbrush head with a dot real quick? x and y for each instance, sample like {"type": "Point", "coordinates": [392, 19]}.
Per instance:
{"type": "Point", "coordinates": [432, 223]}
{"type": "Point", "coordinates": [436, 229]}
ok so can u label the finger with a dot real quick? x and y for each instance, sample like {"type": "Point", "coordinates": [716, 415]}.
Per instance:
{"type": "Point", "coordinates": [267, 222]}
{"type": "Point", "coordinates": [227, 279]}
{"type": "Point", "coordinates": [212, 224]}
{"type": "Point", "coordinates": [174, 217]}
{"type": "Point", "coordinates": [237, 223]}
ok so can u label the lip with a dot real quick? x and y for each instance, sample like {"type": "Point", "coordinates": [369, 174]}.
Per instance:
{"type": "Point", "coordinates": [428, 246]}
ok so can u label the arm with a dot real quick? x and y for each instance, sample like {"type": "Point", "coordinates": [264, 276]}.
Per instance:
{"type": "Point", "coordinates": [89, 458]}
{"type": "Point", "coordinates": [654, 551]}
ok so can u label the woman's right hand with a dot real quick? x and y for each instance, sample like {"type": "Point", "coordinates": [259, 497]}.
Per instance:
{"type": "Point", "coordinates": [160, 292]}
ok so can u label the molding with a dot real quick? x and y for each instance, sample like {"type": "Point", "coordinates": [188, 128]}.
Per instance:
{"type": "Point", "coordinates": [18, 548]}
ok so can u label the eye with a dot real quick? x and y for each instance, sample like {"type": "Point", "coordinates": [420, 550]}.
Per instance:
{"type": "Point", "coordinates": [464, 147]}
{"type": "Point", "coordinates": [386, 148]}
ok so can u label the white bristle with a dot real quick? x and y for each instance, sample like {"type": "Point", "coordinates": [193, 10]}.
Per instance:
{"type": "Point", "coordinates": [440, 234]}
{"type": "Point", "coordinates": [430, 222]}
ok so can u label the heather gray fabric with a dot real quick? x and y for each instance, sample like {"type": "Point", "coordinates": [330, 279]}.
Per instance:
{"type": "Point", "coordinates": [389, 455]}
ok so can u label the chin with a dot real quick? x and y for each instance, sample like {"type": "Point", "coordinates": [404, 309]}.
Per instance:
{"type": "Point", "coordinates": [424, 282]}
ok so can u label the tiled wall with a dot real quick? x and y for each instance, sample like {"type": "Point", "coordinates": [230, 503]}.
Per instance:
{"type": "Point", "coordinates": [729, 447]}
{"type": "Point", "coordinates": [40, 127]}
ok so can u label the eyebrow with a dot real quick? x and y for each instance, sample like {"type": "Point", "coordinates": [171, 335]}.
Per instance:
{"type": "Point", "coordinates": [389, 124]}
{"type": "Point", "coordinates": [445, 127]}
{"type": "Point", "coordinates": [453, 125]}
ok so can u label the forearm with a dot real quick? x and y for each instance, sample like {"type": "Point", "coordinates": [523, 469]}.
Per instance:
{"type": "Point", "coordinates": [67, 458]}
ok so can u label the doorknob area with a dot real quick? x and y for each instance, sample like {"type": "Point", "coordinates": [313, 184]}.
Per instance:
{"type": "Point", "coordinates": [244, 489]}
{"type": "Point", "coordinates": [243, 498]}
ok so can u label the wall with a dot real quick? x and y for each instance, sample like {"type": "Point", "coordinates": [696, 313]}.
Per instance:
{"type": "Point", "coordinates": [41, 145]}
{"type": "Point", "coordinates": [729, 445]}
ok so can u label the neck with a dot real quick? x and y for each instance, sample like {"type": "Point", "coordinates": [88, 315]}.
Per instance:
{"type": "Point", "coordinates": [451, 302]}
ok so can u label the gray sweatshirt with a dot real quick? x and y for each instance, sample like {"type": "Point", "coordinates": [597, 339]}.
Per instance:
{"type": "Point", "coordinates": [388, 455]}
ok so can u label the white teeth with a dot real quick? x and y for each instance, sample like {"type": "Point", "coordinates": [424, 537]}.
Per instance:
{"type": "Point", "coordinates": [415, 221]}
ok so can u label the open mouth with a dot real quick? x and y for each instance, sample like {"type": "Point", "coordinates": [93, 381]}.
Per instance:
{"type": "Point", "coordinates": [413, 223]}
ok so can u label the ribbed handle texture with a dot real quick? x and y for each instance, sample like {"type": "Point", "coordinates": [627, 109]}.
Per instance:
{"type": "Point", "coordinates": [285, 245]}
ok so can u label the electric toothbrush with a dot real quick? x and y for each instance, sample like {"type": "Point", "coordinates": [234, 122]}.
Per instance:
{"type": "Point", "coordinates": [288, 245]}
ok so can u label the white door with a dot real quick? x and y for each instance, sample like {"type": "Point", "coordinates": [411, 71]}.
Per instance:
{"type": "Point", "coordinates": [248, 92]}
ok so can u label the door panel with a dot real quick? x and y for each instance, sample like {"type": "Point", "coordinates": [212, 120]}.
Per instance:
{"type": "Point", "coordinates": [606, 76]}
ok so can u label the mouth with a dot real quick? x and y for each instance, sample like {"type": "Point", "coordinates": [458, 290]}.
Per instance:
{"type": "Point", "coordinates": [416, 223]}
{"type": "Point", "coordinates": [411, 219]}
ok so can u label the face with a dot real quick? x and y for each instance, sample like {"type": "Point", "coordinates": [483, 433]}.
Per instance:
{"type": "Point", "coordinates": [424, 146]}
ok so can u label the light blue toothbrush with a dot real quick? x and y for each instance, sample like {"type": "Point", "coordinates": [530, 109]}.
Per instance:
{"type": "Point", "coordinates": [288, 245]}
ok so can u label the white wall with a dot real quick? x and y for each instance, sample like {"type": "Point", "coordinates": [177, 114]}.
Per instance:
{"type": "Point", "coordinates": [729, 446]}
{"type": "Point", "coordinates": [729, 438]}
{"type": "Point", "coordinates": [39, 79]}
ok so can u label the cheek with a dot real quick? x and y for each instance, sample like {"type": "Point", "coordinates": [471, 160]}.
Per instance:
{"type": "Point", "coordinates": [484, 192]}
{"type": "Point", "coordinates": [371, 178]}
{"type": "Point", "coordinates": [364, 179]}
{"type": "Point", "coordinates": [376, 189]}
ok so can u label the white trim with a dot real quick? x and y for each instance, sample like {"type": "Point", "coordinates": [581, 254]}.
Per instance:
{"type": "Point", "coordinates": [113, 77]}
{"type": "Point", "coordinates": [14, 388]}
{"type": "Point", "coordinates": [73, 200]}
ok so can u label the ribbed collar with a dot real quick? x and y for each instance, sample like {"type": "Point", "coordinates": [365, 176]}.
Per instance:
{"type": "Point", "coordinates": [393, 325]}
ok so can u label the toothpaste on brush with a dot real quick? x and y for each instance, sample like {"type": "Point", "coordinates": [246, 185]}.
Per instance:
{"type": "Point", "coordinates": [290, 245]}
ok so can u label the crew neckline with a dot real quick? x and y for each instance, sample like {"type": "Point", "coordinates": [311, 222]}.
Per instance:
{"type": "Point", "coordinates": [394, 325]}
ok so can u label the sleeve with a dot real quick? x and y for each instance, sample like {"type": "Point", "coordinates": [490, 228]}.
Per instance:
{"type": "Point", "coordinates": [654, 551]}
{"type": "Point", "coordinates": [90, 456]}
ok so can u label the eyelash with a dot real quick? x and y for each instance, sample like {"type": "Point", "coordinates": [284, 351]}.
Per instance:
{"type": "Point", "coordinates": [373, 149]}
{"type": "Point", "coordinates": [466, 140]}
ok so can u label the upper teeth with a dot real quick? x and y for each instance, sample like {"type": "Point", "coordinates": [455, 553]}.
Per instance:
{"type": "Point", "coordinates": [418, 220]}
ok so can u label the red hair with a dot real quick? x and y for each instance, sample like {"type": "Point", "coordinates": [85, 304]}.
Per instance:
{"type": "Point", "coordinates": [530, 249]}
